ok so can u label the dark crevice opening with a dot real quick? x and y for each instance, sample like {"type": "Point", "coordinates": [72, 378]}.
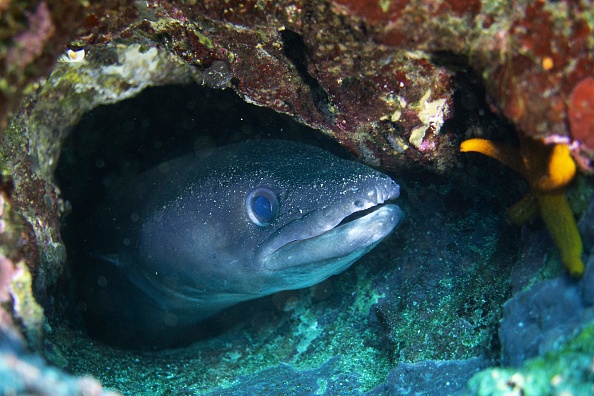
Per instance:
{"type": "Point", "coordinates": [114, 142]}
{"type": "Point", "coordinates": [296, 50]}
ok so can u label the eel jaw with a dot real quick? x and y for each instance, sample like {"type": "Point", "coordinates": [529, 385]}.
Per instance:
{"type": "Point", "coordinates": [308, 261]}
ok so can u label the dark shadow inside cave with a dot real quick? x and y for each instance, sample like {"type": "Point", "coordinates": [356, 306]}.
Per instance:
{"type": "Point", "coordinates": [112, 143]}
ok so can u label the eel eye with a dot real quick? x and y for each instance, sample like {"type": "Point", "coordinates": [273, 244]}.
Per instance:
{"type": "Point", "coordinates": [262, 206]}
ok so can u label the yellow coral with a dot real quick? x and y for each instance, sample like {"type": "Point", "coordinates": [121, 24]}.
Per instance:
{"type": "Point", "coordinates": [558, 217]}
{"type": "Point", "coordinates": [548, 170]}
{"type": "Point", "coordinates": [561, 169]}
{"type": "Point", "coordinates": [504, 153]}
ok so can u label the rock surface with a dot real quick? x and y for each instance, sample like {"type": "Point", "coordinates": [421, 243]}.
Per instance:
{"type": "Point", "coordinates": [398, 84]}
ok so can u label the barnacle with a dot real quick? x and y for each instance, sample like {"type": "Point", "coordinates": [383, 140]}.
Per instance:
{"type": "Point", "coordinates": [72, 56]}
{"type": "Point", "coordinates": [548, 169]}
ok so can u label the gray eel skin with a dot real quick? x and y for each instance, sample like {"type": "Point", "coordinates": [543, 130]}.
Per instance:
{"type": "Point", "coordinates": [205, 231]}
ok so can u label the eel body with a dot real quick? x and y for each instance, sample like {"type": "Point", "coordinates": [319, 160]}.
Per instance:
{"type": "Point", "coordinates": [195, 235]}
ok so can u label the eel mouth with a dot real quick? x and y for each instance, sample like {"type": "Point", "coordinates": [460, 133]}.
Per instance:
{"type": "Point", "coordinates": [337, 247]}
{"type": "Point", "coordinates": [357, 215]}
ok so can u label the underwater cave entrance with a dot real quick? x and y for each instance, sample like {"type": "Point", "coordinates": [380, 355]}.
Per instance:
{"type": "Point", "coordinates": [432, 291]}
{"type": "Point", "coordinates": [112, 143]}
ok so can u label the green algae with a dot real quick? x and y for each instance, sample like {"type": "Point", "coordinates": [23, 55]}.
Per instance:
{"type": "Point", "coordinates": [25, 305]}
{"type": "Point", "coordinates": [454, 281]}
{"type": "Point", "coordinates": [298, 339]}
{"type": "Point", "coordinates": [384, 5]}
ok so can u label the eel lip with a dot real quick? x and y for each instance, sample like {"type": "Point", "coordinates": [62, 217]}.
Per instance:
{"type": "Point", "coordinates": [351, 239]}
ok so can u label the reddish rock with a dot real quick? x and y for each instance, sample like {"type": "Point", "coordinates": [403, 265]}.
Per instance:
{"type": "Point", "coordinates": [580, 111]}
{"type": "Point", "coordinates": [529, 54]}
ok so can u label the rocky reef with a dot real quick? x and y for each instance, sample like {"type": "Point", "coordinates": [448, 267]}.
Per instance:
{"type": "Point", "coordinates": [93, 93]}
